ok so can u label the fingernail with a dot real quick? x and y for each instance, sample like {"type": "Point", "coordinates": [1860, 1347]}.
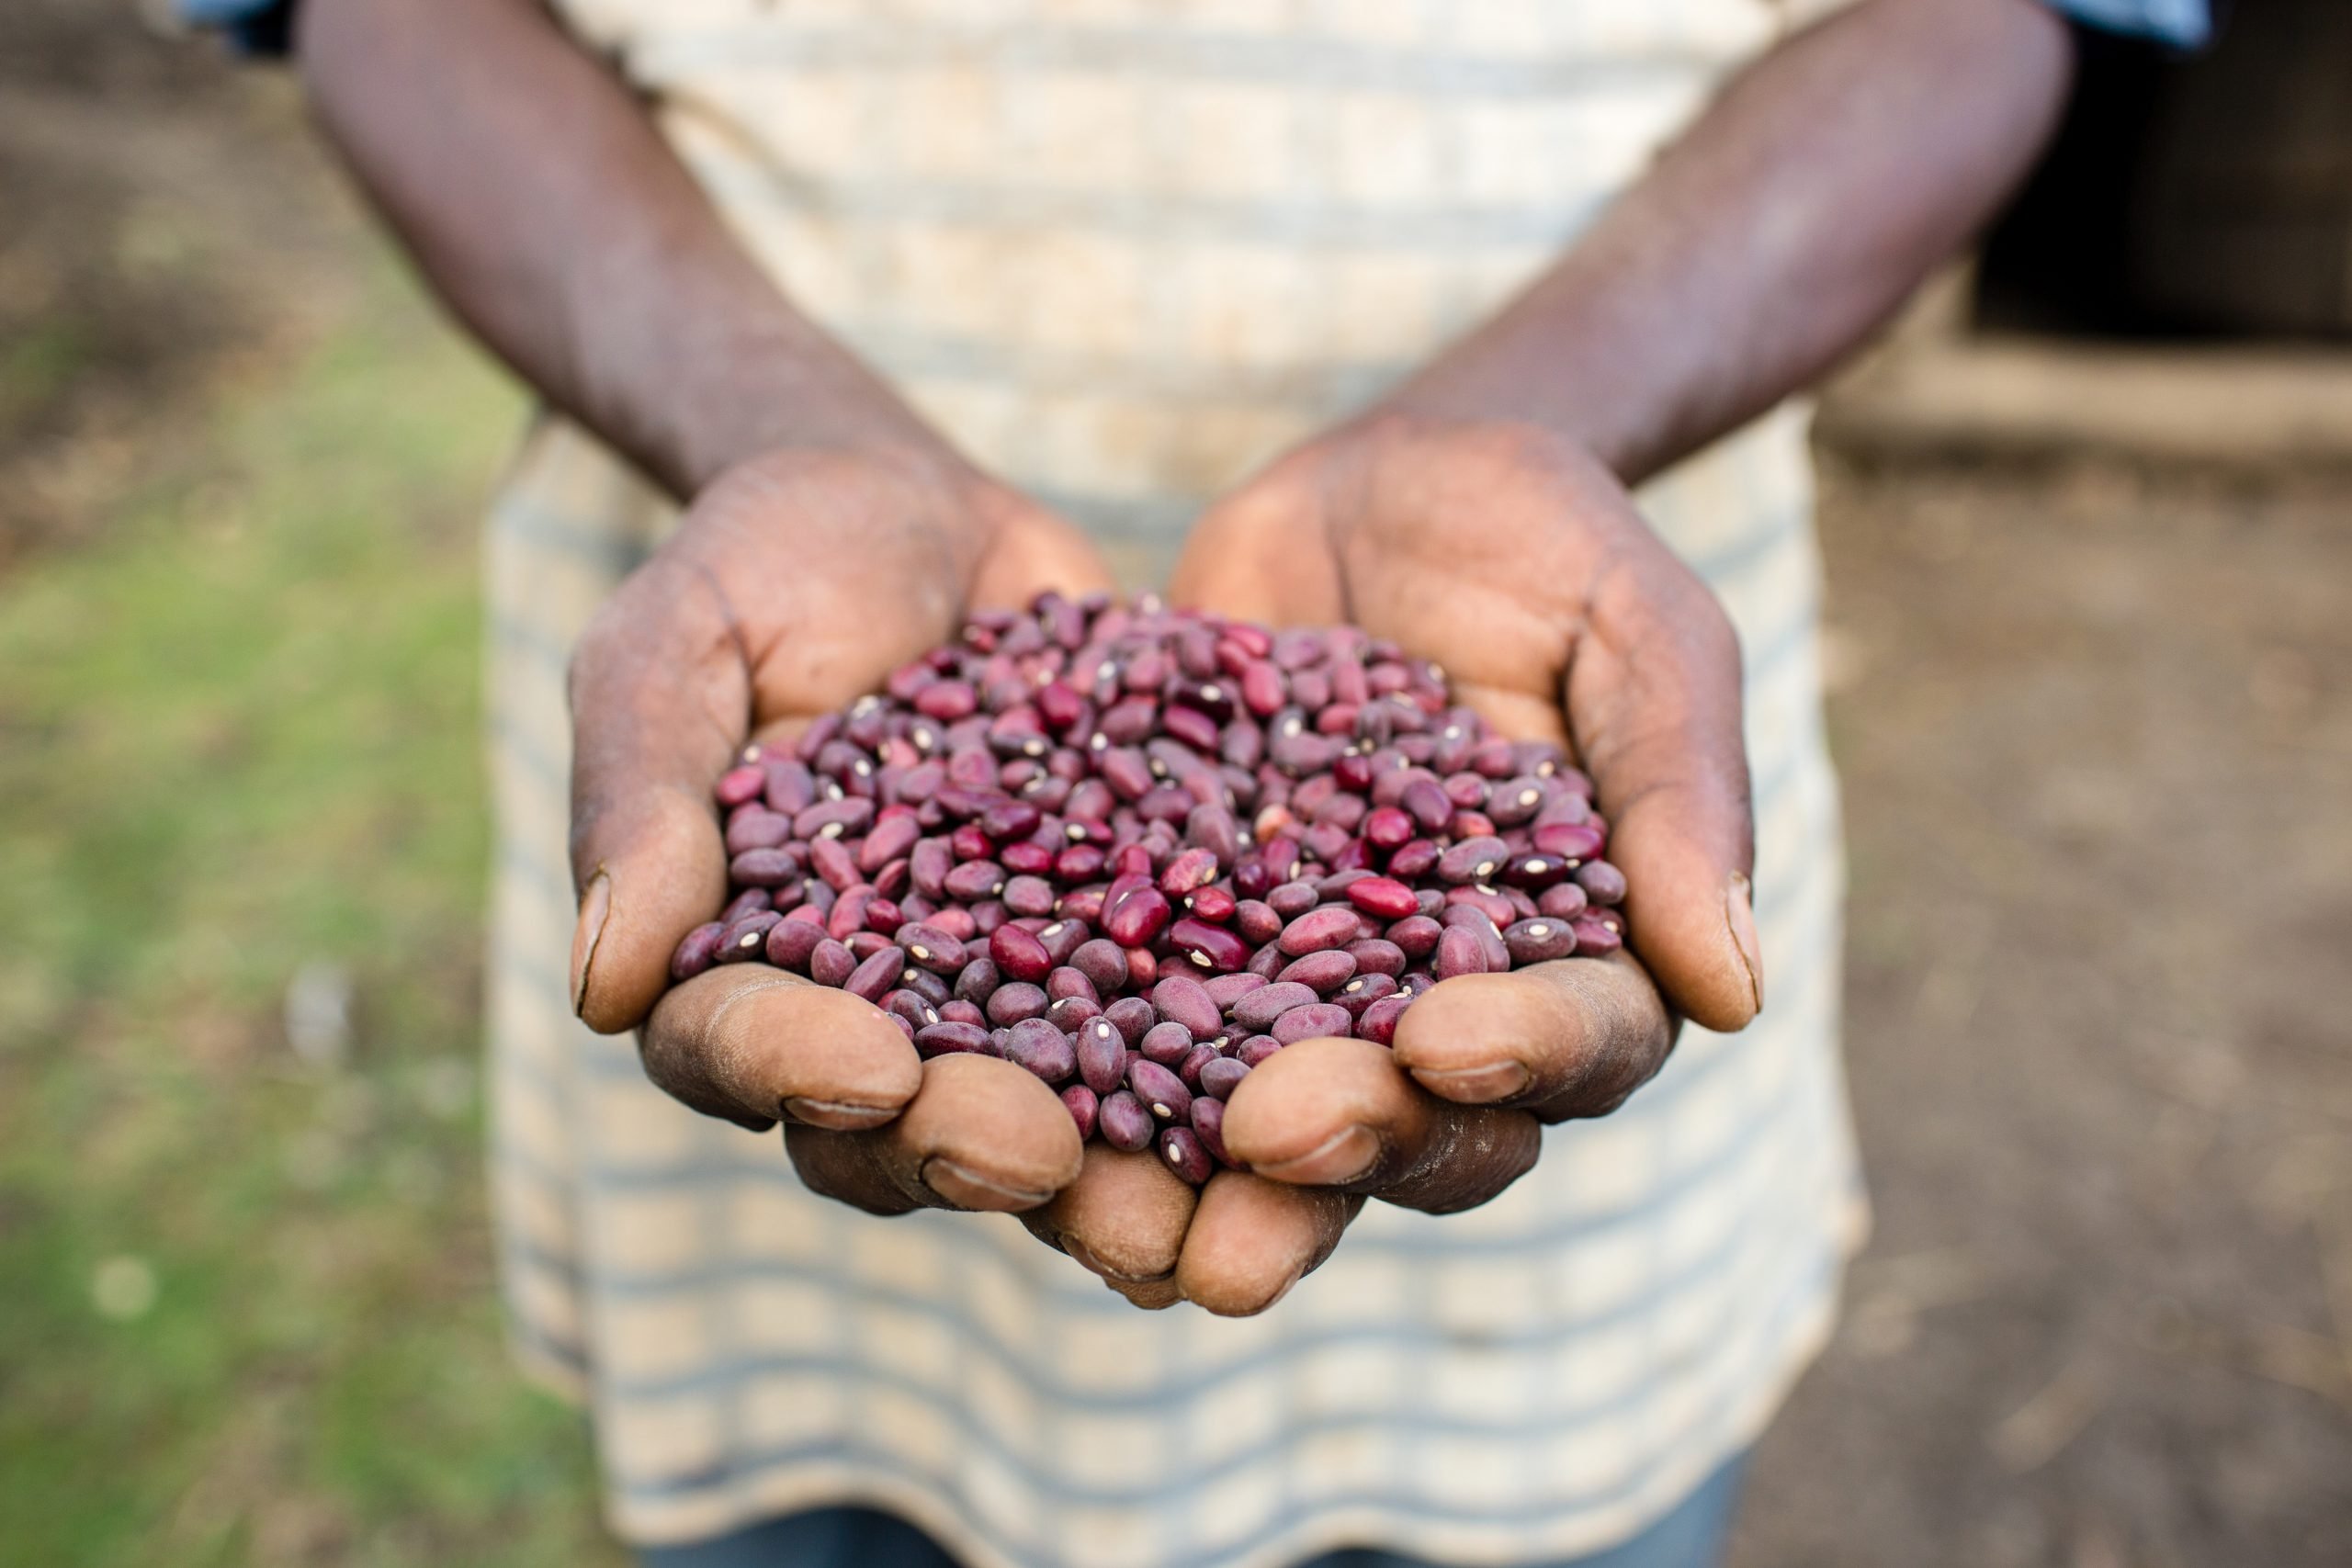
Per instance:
{"type": "Point", "coordinates": [968, 1189]}
{"type": "Point", "coordinates": [836, 1115]}
{"type": "Point", "coordinates": [1473, 1086]}
{"type": "Point", "coordinates": [1086, 1259]}
{"type": "Point", "coordinates": [1346, 1155]}
{"type": "Point", "coordinates": [595, 905]}
{"type": "Point", "coordinates": [1740, 914]}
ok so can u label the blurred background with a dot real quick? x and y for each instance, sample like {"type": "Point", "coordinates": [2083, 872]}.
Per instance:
{"type": "Point", "coordinates": [2088, 516]}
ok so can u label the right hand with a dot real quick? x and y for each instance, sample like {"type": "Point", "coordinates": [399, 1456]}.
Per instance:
{"type": "Point", "coordinates": [795, 583]}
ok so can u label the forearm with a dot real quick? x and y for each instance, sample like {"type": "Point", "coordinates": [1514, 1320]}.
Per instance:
{"type": "Point", "coordinates": [539, 202]}
{"type": "Point", "coordinates": [1800, 209]}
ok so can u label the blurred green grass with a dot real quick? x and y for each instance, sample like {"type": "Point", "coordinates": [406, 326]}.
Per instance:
{"type": "Point", "coordinates": [249, 1314]}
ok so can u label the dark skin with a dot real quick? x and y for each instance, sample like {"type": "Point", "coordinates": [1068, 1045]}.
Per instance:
{"type": "Point", "coordinates": [1479, 517]}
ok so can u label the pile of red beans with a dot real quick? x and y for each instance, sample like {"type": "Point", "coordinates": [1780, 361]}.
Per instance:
{"type": "Point", "coordinates": [1138, 850]}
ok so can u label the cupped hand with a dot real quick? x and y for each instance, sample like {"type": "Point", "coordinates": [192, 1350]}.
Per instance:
{"type": "Point", "coordinates": [794, 584]}
{"type": "Point", "coordinates": [1521, 566]}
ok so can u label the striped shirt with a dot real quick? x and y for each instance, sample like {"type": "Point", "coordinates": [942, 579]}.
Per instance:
{"type": "Point", "coordinates": [1122, 252]}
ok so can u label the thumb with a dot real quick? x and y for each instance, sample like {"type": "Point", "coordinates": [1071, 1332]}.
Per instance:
{"type": "Point", "coordinates": [1653, 697]}
{"type": "Point", "coordinates": [660, 702]}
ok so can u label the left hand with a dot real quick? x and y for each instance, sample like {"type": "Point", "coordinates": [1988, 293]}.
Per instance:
{"type": "Point", "coordinates": [1520, 565]}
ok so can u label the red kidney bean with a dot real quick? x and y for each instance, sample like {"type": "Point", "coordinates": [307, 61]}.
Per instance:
{"type": "Point", "coordinates": [1363, 991]}
{"type": "Point", "coordinates": [1019, 954]}
{"type": "Point", "coordinates": [1596, 938]}
{"type": "Point", "coordinates": [945, 1038]}
{"type": "Point", "coordinates": [1333, 925]}
{"type": "Point", "coordinates": [1103, 963]}
{"type": "Point", "coordinates": [1220, 1076]}
{"type": "Point", "coordinates": [1293, 900]}
{"type": "Point", "coordinates": [830, 963]}
{"type": "Point", "coordinates": [1016, 1000]}
{"type": "Point", "coordinates": [1183, 999]}
{"type": "Point", "coordinates": [926, 984]}
{"type": "Point", "coordinates": [1083, 1108]}
{"type": "Point", "coordinates": [1137, 919]}
{"type": "Point", "coordinates": [740, 785]}
{"type": "Point", "coordinates": [912, 1007]}
{"type": "Point", "coordinates": [1256, 921]}
{"type": "Point", "coordinates": [1188, 1070]}
{"type": "Point", "coordinates": [1227, 990]}
{"type": "Point", "coordinates": [876, 975]}
{"type": "Point", "coordinates": [1213, 904]}
{"type": "Point", "coordinates": [1066, 981]}
{"type": "Point", "coordinates": [765, 867]}
{"type": "Point", "coordinates": [1161, 1091]}
{"type": "Point", "coordinates": [1540, 940]}
{"type": "Point", "coordinates": [974, 879]}
{"type": "Point", "coordinates": [745, 937]}
{"type": "Point", "coordinates": [1602, 882]}
{"type": "Point", "coordinates": [1382, 896]}
{"type": "Point", "coordinates": [1185, 1155]}
{"type": "Point", "coordinates": [1035, 1044]}
{"type": "Point", "coordinates": [1459, 953]}
{"type": "Point", "coordinates": [699, 949]}
{"type": "Point", "coordinates": [751, 901]}
{"type": "Point", "coordinates": [1573, 842]}
{"type": "Point", "coordinates": [1209, 947]}
{"type": "Point", "coordinates": [1063, 938]}
{"type": "Point", "coordinates": [1133, 1016]}
{"type": "Point", "coordinates": [1031, 896]}
{"type": "Point", "coordinates": [1258, 1010]}
{"type": "Point", "coordinates": [1378, 1023]}
{"type": "Point", "coordinates": [1311, 1023]}
{"type": "Point", "coordinates": [932, 948]}
{"type": "Point", "coordinates": [1167, 1043]}
{"type": "Point", "coordinates": [1375, 955]}
{"type": "Point", "coordinates": [1123, 1123]}
{"type": "Point", "coordinates": [1415, 860]}
{"type": "Point", "coordinates": [1101, 1053]}
{"type": "Point", "coordinates": [791, 944]}
{"type": "Point", "coordinates": [1473, 860]}
{"type": "Point", "coordinates": [1256, 1049]}
{"type": "Point", "coordinates": [1322, 972]}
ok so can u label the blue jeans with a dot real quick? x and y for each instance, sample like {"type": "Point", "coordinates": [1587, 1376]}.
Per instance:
{"type": "Point", "coordinates": [1691, 1536]}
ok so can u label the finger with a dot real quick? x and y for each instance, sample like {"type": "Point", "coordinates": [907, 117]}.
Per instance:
{"type": "Point", "coordinates": [1338, 1113]}
{"type": "Point", "coordinates": [1252, 1238]}
{"type": "Point", "coordinates": [1653, 693]}
{"type": "Point", "coordinates": [660, 705]}
{"type": "Point", "coordinates": [1124, 1218]}
{"type": "Point", "coordinates": [757, 1047]}
{"type": "Point", "coordinates": [1033, 550]}
{"type": "Point", "coordinates": [979, 1134]}
{"type": "Point", "coordinates": [1572, 1037]}
{"type": "Point", "coordinates": [1244, 556]}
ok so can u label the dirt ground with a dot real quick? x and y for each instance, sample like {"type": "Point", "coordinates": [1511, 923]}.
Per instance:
{"type": "Point", "coordinates": [2096, 727]}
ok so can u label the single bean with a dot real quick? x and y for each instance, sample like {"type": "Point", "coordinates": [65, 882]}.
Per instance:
{"type": "Point", "coordinates": [1378, 1023]}
{"type": "Point", "coordinates": [1333, 925]}
{"type": "Point", "coordinates": [1539, 940]}
{"type": "Point", "coordinates": [1160, 1091]}
{"type": "Point", "coordinates": [1083, 1107]}
{"type": "Point", "coordinates": [1323, 972]}
{"type": "Point", "coordinates": [699, 949]}
{"type": "Point", "coordinates": [1102, 1054]}
{"type": "Point", "coordinates": [1016, 1000]}
{"type": "Point", "coordinates": [1019, 954]}
{"type": "Point", "coordinates": [1183, 999]}
{"type": "Point", "coordinates": [1035, 1044]}
{"type": "Point", "coordinates": [1186, 1156]}
{"type": "Point", "coordinates": [877, 975]}
{"type": "Point", "coordinates": [1123, 1123]}
{"type": "Point", "coordinates": [1311, 1023]}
